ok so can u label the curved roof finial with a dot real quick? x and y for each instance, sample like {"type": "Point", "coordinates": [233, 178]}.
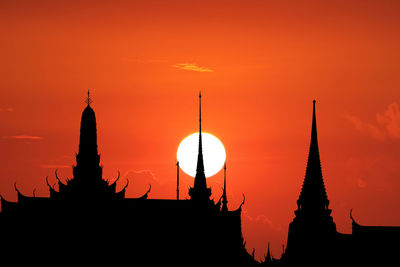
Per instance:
{"type": "Point", "coordinates": [240, 207]}
{"type": "Point", "coordinates": [353, 222]}
{"type": "Point", "coordinates": [244, 199]}
{"type": "Point", "coordinates": [15, 187]}
{"type": "Point", "coordinates": [116, 180]}
{"type": "Point", "coordinates": [145, 196]}
{"type": "Point", "coordinates": [47, 181]}
{"type": "Point", "coordinates": [148, 191]}
{"type": "Point", "coordinates": [119, 174]}
{"type": "Point", "coordinates": [58, 178]}
{"type": "Point", "coordinates": [127, 183]}
{"type": "Point", "coordinates": [48, 184]}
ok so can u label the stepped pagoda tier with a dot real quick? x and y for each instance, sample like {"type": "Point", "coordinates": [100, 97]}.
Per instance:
{"type": "Point", "coordinates": [312, 232]}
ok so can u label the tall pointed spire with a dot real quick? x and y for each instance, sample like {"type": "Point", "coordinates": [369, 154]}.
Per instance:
{"type": "Point", "coordinates": [224, 197]}
{"type": "Point", "coordinates": [88, 159]}
{"type": "Point", "coordinates": [313, 194]}
{"type": "Point", "coordinates": [200, 175]}
{"type": "Point", "coordinates": [200, 190]}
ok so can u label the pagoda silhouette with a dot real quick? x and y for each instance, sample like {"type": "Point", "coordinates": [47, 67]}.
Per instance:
{"type": "Point", "coordinates": [85, 219]}
{"type": "Point", "coordinates": [313, 238]}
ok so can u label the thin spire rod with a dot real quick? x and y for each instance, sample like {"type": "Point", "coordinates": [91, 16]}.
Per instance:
{"type": "Point", "coordinates": [224, 197]}
{"type": "Point", "coordinates": [88, 99]}
{"type": "Point", "coordinates": [200, 135]}
{"type": "Point", "coordinates": [225, 179]}
{"type": "Point", "coordinates": [177, 180]}
{"type": "Point", "coordinates": [200, 111]}
{"type": "Point", "coordinates": [314, 124]}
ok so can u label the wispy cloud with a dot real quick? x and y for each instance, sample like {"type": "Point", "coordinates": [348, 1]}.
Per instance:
{"type": "Point", "coordinates": [261, 218]}
{"type": "Point", "coordinates": [7, 109]}
{"type": "Point", "coordinates": [366, 127]}
{"type": "Point", "coordinates": [390, 119]}
{"type": "Point", "coordinates": [387, 124]}
{"type": "Point", "coordinates": [192, 67]}
{"type": "Point", "coordinates": [142, 173]}
{"type": "Point", "coordinates": [24, 137]}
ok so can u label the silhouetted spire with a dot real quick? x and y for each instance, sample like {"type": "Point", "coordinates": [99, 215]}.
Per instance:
{"type": "Point", "coordinates": [200, 178]}
{"type": "Point", "coordinates": [224, 197]}
{"type": "Point", "coordinates": [88, 159]}
{"type": "Point", "coordinates": [88, 136]}
{"type": "Point", "coordinates": [313, 194]}
{"type": "Point", "coordinates": [200, 190]}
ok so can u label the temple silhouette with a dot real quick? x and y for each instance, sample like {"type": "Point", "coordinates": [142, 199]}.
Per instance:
{"type": "Point", "coordinates": [86, 219]}
{"type": "Point", "coordinates": [313, 238]}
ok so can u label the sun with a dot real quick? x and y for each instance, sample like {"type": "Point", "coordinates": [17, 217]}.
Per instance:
{"type": "Point", "coordinates": [214, 154]}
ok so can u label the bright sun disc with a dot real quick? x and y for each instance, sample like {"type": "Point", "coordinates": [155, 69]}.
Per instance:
{"type": "Point", "coordinates": [214, 154]}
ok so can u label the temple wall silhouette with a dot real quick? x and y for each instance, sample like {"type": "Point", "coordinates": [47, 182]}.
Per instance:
{"type": "Point", "coordinates": [86, 219]}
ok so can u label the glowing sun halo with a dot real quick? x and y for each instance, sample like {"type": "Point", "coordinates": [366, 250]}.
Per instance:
{"type": "Point", "coordinates": [214, 154]}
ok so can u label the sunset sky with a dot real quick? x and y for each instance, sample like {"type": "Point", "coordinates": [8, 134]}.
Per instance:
{"type": "Point", "coordinates": [259, 65]}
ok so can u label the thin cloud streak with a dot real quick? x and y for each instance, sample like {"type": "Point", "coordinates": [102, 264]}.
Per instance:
{"type": "Point", "coordinates": [23, 137]}
{"type": "Point", "coordinates": [192, 67]}
{"type": "Point", "coordinates": [7, 109]}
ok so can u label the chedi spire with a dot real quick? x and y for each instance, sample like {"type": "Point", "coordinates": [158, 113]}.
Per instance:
{"type": "Point", "coordinates": [200, 191]}
{"type": "Point", "coordinates": [88, 159]}
{"type": "Point", "coordinates": [313, 194]}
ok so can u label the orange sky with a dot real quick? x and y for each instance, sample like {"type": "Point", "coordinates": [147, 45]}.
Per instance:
{"type": "Point", "coordinates": [259, 65]}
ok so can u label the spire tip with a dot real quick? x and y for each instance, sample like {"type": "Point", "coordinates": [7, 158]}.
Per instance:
{"type": "Point", "coordinates": [88, 100]}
